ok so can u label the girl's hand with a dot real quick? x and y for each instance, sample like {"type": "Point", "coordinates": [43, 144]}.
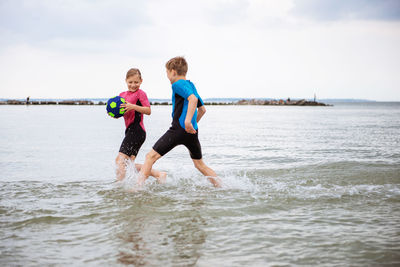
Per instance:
{"type": "Point", "coordinates": [128, 106]}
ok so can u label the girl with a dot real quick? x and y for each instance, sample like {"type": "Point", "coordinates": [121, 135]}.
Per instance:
{"type": "Point", "coordinates": [136, 105]}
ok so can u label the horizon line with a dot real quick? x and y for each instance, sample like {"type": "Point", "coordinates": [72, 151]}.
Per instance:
{"type": "Point", "coordinates": [208, 98]}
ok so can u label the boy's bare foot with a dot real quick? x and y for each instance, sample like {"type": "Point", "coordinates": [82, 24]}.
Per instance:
{"type": "Point", "coordinates": [162, 179]}
{"type": "Point", "coordinates": [215, 181]}
{"type": "Point", "coordinates": [140, 180]}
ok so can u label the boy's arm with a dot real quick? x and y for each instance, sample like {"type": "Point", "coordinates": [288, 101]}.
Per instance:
{"type": "Point", "coordinates": [189, 114]}
{"type": "Point", "coordinates": [200, 112]}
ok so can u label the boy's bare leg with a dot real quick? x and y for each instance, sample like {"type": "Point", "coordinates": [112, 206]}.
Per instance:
{"type": "Point", "coordinates": [207, 171]}
{"type": "Point", "coordinates": [145, 170]}
{"type": "Point", "coordinates": [120, 163]}
{"type": "Point", "coordinates": [159, 175]}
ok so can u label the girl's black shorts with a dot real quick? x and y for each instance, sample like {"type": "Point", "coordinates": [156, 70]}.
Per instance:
{"type": "Point", "coordinates": [134, 139]}
{"type": "Point", "coordinates": [176, 135]}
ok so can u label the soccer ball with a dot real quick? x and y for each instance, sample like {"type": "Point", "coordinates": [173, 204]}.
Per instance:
{"type": "Point", "coordinates": [113, 107]}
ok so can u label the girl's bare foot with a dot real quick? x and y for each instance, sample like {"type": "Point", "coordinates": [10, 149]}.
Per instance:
{"type": "Point", "coordinates": [135, 189]}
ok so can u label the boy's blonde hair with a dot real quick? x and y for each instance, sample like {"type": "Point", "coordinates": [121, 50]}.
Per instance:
{"type": "Point", "coordinates": [133, 72]}
{"type": "Point", "coordinates": [178, 64]}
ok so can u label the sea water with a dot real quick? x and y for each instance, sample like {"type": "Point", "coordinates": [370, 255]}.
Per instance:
{"type": "Point", "coordinates": [314, 186]}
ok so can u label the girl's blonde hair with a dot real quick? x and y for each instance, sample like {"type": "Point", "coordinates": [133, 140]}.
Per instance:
{"type": "Point", "coordinates": [133, 72]}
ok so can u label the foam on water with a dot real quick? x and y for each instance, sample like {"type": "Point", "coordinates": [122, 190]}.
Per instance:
{"type": "Point", "coordinates": [190, 179]}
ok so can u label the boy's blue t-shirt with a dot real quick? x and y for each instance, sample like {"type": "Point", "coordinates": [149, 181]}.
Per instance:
{"type": "Point", "coordinates": [181, 90]}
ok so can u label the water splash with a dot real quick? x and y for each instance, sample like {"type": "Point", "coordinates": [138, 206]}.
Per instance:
{"type": "Point", "coordinates": [131, 176]}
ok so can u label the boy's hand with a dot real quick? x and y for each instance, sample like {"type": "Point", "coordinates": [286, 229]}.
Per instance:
{"type": "Point", "coordinates": [189, 127]}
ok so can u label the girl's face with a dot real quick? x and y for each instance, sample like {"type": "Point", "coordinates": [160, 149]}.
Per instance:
{"type": "Point", "coordinates": [133, 83]}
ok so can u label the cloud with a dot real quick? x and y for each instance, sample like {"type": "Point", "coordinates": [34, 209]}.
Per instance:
{"type": "Point", "coordinates": [254, 48]}
{"type": "Point", "coordinates": [228, 12]}
{"type": "Point", "coordinates": [44, 20]}
{"type": "Point", "coordinates": [331, 10]}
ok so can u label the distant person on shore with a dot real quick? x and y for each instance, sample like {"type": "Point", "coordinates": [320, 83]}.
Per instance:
{"type": "Point", "coordinates": [187, 110]}
{"type": "Point", "coordinates": [136, 105]}
{"type": "Point", "coordinates": [27, 100]}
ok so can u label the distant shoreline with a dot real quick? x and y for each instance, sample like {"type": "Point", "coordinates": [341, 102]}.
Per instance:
{"type": "Point", "coordinates": [258, 102]}
{"type": "Point", "coordinates": [207, 101]}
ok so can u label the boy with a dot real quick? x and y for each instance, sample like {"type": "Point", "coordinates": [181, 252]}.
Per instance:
{"type": "Point", "coordinates": [184, 130]}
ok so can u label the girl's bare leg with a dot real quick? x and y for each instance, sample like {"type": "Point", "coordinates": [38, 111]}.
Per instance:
{"type": "Point", "coordinates": [120, 163]}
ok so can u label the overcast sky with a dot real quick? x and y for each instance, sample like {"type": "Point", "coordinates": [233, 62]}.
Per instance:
{"type": "Point", "coordinates": [235, 48]}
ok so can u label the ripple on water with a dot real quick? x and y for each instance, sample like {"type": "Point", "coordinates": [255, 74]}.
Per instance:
{"type": "Point", "coordinates": [303, 215]}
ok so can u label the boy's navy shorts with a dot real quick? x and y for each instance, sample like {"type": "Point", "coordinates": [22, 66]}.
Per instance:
{"type": "Point", "coordinates": [134, 139]}
{"type": "Point", "coordinates": [176, 135]}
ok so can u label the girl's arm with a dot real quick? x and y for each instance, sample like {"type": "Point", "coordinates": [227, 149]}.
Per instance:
{"type": "Point", "coordinates": [128, 107]}
{"type": "Point", "coordinates": [200, 112]}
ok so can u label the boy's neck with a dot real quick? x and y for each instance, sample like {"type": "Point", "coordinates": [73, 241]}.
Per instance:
{"type": "Point", "coordinates": [179, 77]}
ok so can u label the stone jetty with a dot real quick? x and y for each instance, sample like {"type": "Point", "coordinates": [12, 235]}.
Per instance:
{"type": "Point", "coordinates": [260, 102]}
{"type": "Point", "coordinates": [44, 102]}
{"type": "Point", "coordinates": [280, 102]}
